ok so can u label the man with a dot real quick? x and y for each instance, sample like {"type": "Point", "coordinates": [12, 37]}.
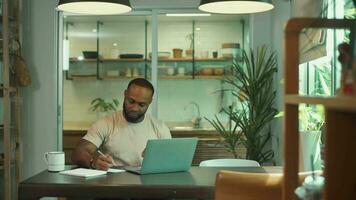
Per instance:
{"type": "Point", "coordinates": [122, 135]}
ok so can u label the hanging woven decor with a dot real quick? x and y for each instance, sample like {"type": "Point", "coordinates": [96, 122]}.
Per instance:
{"type": "Point", "coordinates": [22, 75]}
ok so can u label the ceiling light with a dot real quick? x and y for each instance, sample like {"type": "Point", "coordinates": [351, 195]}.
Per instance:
{"type": "Point", "coordinates": [235, 6]}
{"type": "Point", "coordinates": [95, 7]}
{"type": "Point", "coordinates": [187, 14]}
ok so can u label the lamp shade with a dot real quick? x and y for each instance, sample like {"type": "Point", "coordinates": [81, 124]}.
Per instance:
{"type": "Point", "coordinates": [235, 6]}
{"type": "Point", "coordinates": [95, 7]}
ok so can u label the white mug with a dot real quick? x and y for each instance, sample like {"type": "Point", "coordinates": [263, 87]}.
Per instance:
{"type": "Point", "coordinates": [54, 161]}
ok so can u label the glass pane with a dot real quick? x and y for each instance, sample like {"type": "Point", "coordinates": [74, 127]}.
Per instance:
{"type": "Point", "coordinates": [122, 46]}
{"type": "Point", "coordinates": [121, 42]}
{"type": "Point", "coordinates": [190, 89]}
{"type": "Point", "coordinates": [82, 36]}
{"type": "Point", "coordinates": [320, 77]}
{"type": "Point", "coordinates": [175, 48]}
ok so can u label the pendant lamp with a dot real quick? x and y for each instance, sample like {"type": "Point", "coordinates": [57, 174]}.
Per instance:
{"type": "Point", "coordinates": [95, 7]}
{"type": "Point", "coordinates": [235, 6]}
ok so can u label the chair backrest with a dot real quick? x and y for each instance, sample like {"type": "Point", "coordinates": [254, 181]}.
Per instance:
{"type": "Point", "coordinates": [229, 163]}
{"type": "Point", "coordinates": [248, 186]}
{"type": "Point", "coordinates": [232, 185]}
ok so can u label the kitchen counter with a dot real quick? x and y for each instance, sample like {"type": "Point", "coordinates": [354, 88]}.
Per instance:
{"type": "Point", "coordinates": [209, 144]}
{"type": "Point", "coordinates": [173, 127]}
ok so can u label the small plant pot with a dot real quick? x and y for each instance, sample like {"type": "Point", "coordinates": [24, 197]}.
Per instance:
{"type": "Point", "coordinates": [177, 53]}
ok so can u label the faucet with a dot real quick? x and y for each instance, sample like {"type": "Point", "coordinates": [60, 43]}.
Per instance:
{"type": "Point", "coordinates": [196, 120]}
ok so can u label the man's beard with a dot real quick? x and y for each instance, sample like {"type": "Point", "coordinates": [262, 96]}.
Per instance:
{"type": "Point", "coordinates": [133, 117]}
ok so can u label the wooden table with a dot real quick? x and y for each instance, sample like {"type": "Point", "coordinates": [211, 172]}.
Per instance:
{"type": "Point", "coordinates": [197, 183]}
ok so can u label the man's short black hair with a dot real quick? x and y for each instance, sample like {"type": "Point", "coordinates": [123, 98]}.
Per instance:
{"type": "Point", "coordinates": [143, 83]}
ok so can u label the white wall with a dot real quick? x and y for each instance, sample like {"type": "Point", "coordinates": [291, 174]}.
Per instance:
{"type": "Point", "coordinates": [268, 29]}
{"type": "Point", "coordinates": [280, 15]}
{"type": "Point", "coordinates": [39, 122]}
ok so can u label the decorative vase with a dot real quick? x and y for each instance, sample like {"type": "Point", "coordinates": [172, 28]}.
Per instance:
{"type": "Point", "coordinates": [309, 145]}
{"type": "Point", "coordinates": [189, 53]}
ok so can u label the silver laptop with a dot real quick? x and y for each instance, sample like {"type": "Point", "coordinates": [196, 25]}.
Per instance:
{"type": "Point", "coordinates": [166, 155]}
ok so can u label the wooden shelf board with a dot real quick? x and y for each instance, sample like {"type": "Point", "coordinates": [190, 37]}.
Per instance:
{"type": "Point", "coordinates": [118, 77]}
{"type": "Point", "coordinates": [143, 59]}
{"type": "Point", "coordinates": [11, 89]}
{"type": "Point", "coordinates": [123, 59]}
{"type": "Point", "coordinates": [345, 103]}
{"type": "Point", "coordinates": [75, 78]}
{"type": "Point", "coordinates": [84, 60]}
{"type": "Point", "coordinates": [209, 77]}
{"type": "Point", "coordinates": [190, 59]}
{"type": "Point", "coordinates": [185, 77]}
{"type": "Point", "coordinates": [213, 59]}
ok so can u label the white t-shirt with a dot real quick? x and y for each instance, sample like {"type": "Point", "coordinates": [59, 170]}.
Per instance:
{"type": "Point", "coordinates": [123, 140]}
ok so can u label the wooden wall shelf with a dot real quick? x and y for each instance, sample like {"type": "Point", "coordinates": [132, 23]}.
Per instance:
{"type": "Point", "coordinates": [149, 60]}
{"type": "Point", "coordinates": [344, 103]}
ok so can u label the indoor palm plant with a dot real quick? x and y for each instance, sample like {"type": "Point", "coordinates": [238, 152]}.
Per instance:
{"type": "Point", "coordinates": [229, 133]}
{"type": "Point", "coordinates": [252, 84]}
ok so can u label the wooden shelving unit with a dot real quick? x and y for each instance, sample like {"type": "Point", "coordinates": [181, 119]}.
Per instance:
{"type": "Point", "coordinates": [176, 77]}
{"type": "Point", "coordinates": [122, 60]}
{"type": "Point", "coordinates": [345, 103]}
{"type": "Point", "coordinates": [82, 77]}
{"type": "Point", "coordinates": [84, 60]}
{"type": "Point", "coordinates": [10, 128]}
{"type": "Point", "coordinates": [340, 111]}
{"type": "Point", "coordinates": [118, 77]}
{"type": "Point", "coordinates": [210, 77]}
{"type": "Point", "coordinates": [142, 59]}
{"type": "Point", "coordinates": [190, 59]}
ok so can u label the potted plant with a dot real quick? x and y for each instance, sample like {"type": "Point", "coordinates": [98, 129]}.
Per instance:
{"type": "Point", "coordinates": [102, 107]}
{"type": "Point", "coordinates": [311, 121]}
{"type": "Point", "coordinates": [252, 84]}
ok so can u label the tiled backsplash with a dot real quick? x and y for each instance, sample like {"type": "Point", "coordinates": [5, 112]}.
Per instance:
{"type": "Point", "coordinates": [174, 97]}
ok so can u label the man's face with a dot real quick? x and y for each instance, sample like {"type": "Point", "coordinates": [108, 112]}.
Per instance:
{"type": "Point", "coordinates": [136, 102]}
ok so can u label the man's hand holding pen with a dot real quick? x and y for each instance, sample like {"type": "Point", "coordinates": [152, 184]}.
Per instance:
{"type": "Point", "coordinates": [102, 161]}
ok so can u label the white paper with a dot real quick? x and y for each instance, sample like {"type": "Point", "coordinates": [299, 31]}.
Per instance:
{"type": "Point", "coordinates": [83, 172]}
{"type": "Point", "coordinates": [112, 170]}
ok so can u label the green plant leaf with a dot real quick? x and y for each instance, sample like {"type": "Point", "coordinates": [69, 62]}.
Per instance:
{"type": "Point", "coordinates": [253, 86]}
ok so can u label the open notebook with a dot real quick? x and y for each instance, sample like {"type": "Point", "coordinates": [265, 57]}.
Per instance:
{"type": "Point", "coordinates": [86, 173]}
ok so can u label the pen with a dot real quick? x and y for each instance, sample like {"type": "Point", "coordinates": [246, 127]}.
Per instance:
{"type": "Point", "coordinates": [101, 153]}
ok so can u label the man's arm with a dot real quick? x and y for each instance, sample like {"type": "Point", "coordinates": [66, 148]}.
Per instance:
{"type": "Point", "coordinates": [85, 155]}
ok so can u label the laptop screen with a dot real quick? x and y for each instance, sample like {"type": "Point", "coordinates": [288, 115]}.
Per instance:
{"type": "Point", "coordinates": [168, 155]}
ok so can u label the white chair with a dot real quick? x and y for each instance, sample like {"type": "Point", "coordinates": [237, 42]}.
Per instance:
{"type": "Point", "coordinates": [229, 163]}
